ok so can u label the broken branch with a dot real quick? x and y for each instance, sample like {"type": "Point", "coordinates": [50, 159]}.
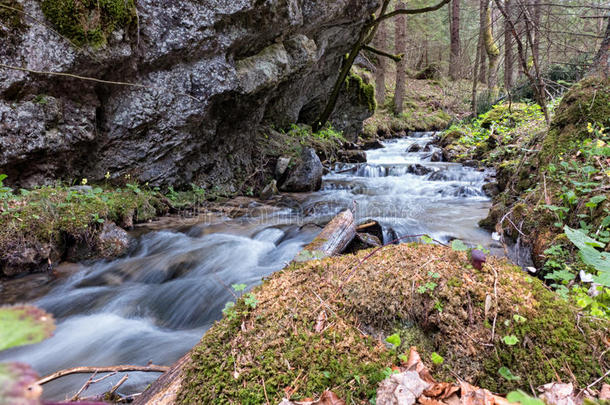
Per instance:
{"type": "Point", "coordinates": [395, 58]}
{"type": "Point", "coordinates": [109, 369]}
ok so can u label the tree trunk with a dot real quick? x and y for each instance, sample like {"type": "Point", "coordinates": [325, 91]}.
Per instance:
{"type": "Point", "coordinates": [454, 25]}
{"type": "Point", "coordinates": [493, 53]}
{"type": "Point", "coordinates": [475, 76]}
{"type": "Point", "coordinates": [509, 80]}
{"type": "Point", "coordinates": [601, 63]}
{"type": "Point", "coordinates": [481, 51]}
{"type": "Point", "coordinates": [536, 30]}
{"type": "Point", "coordinates": [381, 41]}
{"type": "Point", "coordinates": [401, 67]}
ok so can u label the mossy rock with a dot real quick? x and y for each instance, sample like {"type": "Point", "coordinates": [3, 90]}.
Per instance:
{"type": "Point", "coordinates": [509, 114]}
{"type": "Point", "coordinates": [307, 330]}
{"type": "Point", "coordinates": [365, 91]}
{"type": "Point", "coordinates": [89, 22]}
{"type": "Point", "coordinates": [587, 102]}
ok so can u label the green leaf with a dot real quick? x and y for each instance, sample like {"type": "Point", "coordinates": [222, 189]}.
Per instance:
{"type": "Point", "coordinates": [458, 246]}
{"type": "Point", "coordinates": [394, 340]}
{"type": "Point", "coordinates": [436, 358]}
{"type": "Point", "coordinates": [238, 287]}
{"type": "Point", "coordinates": [24, 325]}
{"type": "Point", "coordinates": [16, 385]}
{"type": "Point", "coordinates": [506, 373]}
{"type": "Point", "coordinates": [510, 340]}
{"type": "Point", "coordinates": [427, 240]}
{"type": "Point", "coordinates": [580, 239]}
{"type": "Point", "coordinates": [522, 398]}
{"type": "Point", "coordinates": [519, 319]}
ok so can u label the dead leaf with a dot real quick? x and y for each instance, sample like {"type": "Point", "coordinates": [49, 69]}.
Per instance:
{"type": "Point", "coordinates": [471, 395]}
{"type": "Point", "coordinates": [321, 322]}
{"type": "Point", "coordinates": [424, 400]}
{"type": "Point", "coordinates": [327, 398]}
{"type": "Point", "coordinates": [402, 388]}
{"type": "Point", "coordinates": [558, 394]}
{"type": "Point", "coordinates": [415, 363]}
{"type": "Point", "coordinates": [604, 394]}
{"type": "Point", "coordinates": [440, 391]}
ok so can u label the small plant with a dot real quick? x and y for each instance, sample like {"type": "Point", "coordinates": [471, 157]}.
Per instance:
{"type": "Point", "coordinates": [394, 340]}
{"type": "Point", "coordinates": [429, 286]}
{"type": "Point", "coordinates": [510, 340]}
{"type": "Point", "coordinates": [507, 374]}
{"type": "Point", "coordinates": [436, 358]}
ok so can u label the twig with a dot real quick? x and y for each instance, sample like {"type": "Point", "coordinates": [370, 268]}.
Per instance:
{"type": "Point", "coordinates": [84, 387]}
{"type": "Point", "coordinates": [86, 370]}
{"type": "Point", "coordinates": [265, 392]}
{"type": "Point", "coordinates": [493, 327]}
{"type": "Point", "coordinates": [117, 385]}
{"type": "Point", "coordinates": [93, 79]}
{"type": "Point", "coordinates": [395, 58]}
{"type": "Point", "coordinates": [594, 382]}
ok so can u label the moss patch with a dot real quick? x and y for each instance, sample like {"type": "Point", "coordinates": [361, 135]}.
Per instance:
{"type": "Point", "coordinates": [587, 102]}
{"type": "Point", "coordinates": [366, 92]}
{"type": "Point", "coordinates": [89, 22]}
{"type": "Point", "coordinates": [428, 294]}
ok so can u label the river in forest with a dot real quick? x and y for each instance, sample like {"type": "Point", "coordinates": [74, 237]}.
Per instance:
{"type": "Point", "coordinates": [154, 304]}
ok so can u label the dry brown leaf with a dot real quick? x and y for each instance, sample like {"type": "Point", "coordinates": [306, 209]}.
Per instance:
{"type": "Point", "coordinates": [558, 394]}
{"type": "Point", "coordinates": [327, 398]}
{"type": "Point", "coordinates": [416, 364]}
{"type": "Point", "coordinates": [424, 400]}
{"type": "Point", "coordinates": [440, 391]}
{"type": "Point", "coordinates": [604, 394]}
{"type": "Point", "coordinates": [471, 395]}
{"type": "Point", "coordinates": [321, 322]}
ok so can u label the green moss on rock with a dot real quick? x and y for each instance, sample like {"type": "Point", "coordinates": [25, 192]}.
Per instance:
{"type": "Point", "coordinates": [587, 102]}
{"type": "Point", "coordinates": [366, 92]}
{"type": "Point", "coordinates": [306, 333]}
{"type": "Point", "coordinates": [89, 22]}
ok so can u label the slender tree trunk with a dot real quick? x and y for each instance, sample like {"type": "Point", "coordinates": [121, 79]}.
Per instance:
{"type": "Point", "coordinates": [509, 80]}
{"type": "Point", "coordinates": [493, 53]}
{"type": "Point", "coordinates": [455, 55]}
{"type": "Point", "coordinates": [535, 30]}
{"type": "Point", "coordinates": [475, 75]}
{"type": "Point", "coordinates": [401, 47]}
{"type": "Point", "coordinates": [481, 51]}
{"type": "Point", "coordinates": [380, 43]}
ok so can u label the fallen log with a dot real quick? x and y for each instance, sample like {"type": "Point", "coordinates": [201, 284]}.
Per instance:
{"type": "Point", "coordinates": [333, 239]}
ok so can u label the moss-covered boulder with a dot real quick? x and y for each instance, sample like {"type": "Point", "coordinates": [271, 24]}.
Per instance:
{"type": "Point", "coordinates": [321, 324]}
{"type": "Point", "coordinates": [587, 102]}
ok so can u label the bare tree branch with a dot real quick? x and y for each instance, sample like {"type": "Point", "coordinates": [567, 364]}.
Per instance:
{"type": "Point", "coordinates": [395, 58]}
{"type": "Point", "coordinates": [108, 369]}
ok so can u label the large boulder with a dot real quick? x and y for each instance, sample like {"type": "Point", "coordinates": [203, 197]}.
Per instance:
{"type": "Point", "coordinates": [202, 85]}
{"type": "Point", "coordinates": [306, 174]}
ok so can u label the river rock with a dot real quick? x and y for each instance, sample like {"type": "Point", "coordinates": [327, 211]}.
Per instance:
{"type": "Point", "coordinates": [437, 156]}
{"type": "Point", "coordinates": [281, 167]}
{"type": "Point", "coordinates": [306, 175]}
{"type": "Point", "coordinates": [269, 190]}
{"type": "Point", "coordinates": [210, 79]}
{"type": "Point", "coordinates": [24, 257]}
{"type": "Point", "coordinates": [374, 144]}
{"type": "Point", "coordinates": [419, 170]}
{"type": "Point", "coordinates": [112, 241]}
{"type": "Point", "coordinates": [352, 156]}
{"type": "Point", "coordinates": [491, 189]}
{"type": "Point", "coordinates": [414, 148]}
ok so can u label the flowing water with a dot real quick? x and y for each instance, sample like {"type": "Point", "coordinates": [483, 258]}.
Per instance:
{"type": "Point", "coordinates": [155, 303]}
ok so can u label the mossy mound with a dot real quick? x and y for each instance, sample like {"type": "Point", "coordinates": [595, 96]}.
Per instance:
{"type": "Point", "coordinates": [587, 102]}
{"type": "Point", "coordinates": [306, 332]}
{"type": "Point", "coordinates": [89, 22]}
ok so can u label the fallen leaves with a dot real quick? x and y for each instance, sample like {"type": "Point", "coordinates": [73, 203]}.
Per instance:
{"type": "Point", "coordinates": [412, 384]}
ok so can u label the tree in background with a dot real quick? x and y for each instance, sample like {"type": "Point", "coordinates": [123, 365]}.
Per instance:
{"type": "Point", "coordinates": [380, 42]}
{"type": "Point", "coordinates": [400, 42]}
{"type": "Point", "coordinates": [493, 53]}
{"type": "Point", "coordinates": [455, 46]}
{"type": "Point", "coordinates": [508, 50]}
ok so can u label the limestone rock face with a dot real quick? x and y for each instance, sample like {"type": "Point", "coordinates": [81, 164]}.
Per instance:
{"type": "Point", "coordinates": [209, 74]}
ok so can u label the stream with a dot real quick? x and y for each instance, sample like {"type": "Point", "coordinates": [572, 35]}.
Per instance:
{"type": "Point", "coordinates": [154, 304]}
